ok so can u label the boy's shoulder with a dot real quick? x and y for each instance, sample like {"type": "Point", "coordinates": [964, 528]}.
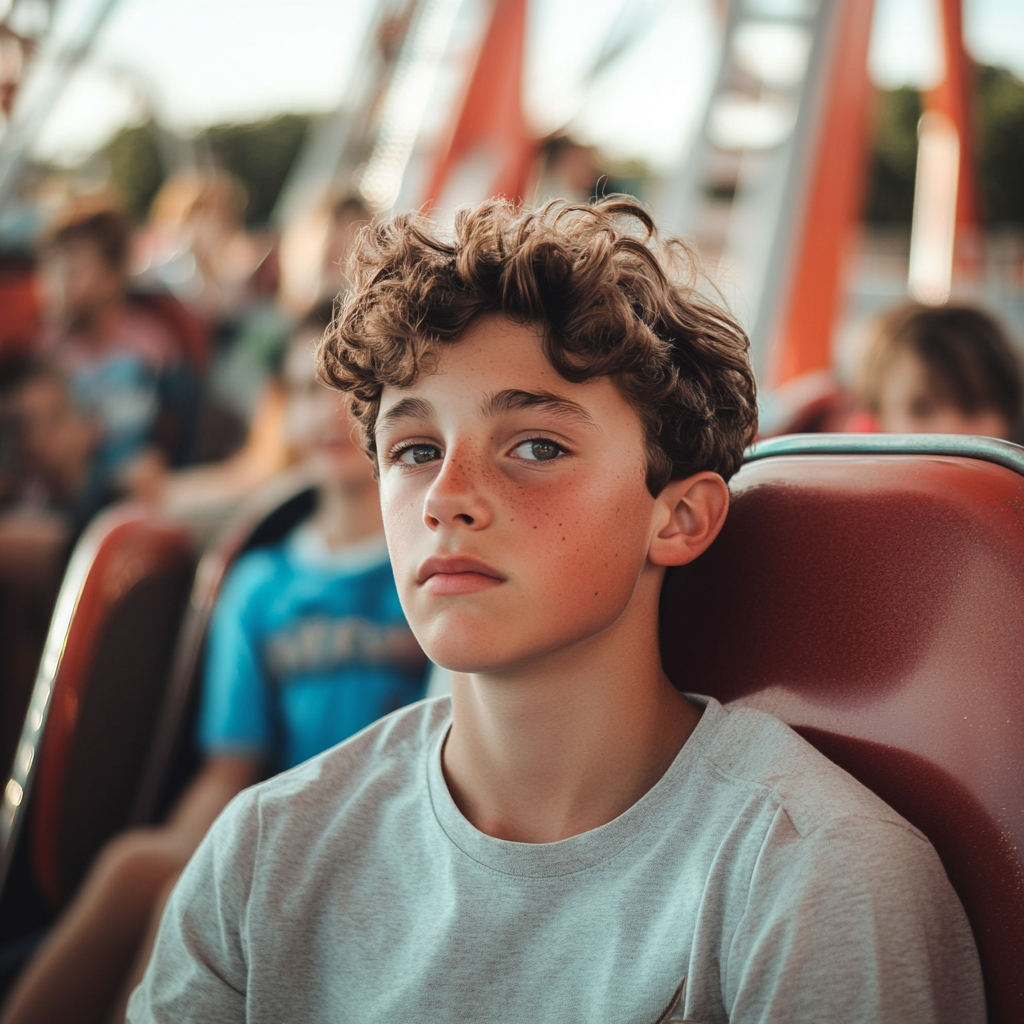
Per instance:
{"type": "Point", "coordinates": [394, 742]}
{"type": "Point", "coordinates": [373, 766]}
{"type": "Point", "coordinates": [756, 750]}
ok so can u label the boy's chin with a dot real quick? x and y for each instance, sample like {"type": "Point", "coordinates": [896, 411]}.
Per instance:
{"type": "Point", "coordinates": [471, 655]}
{"type": "Point", "coordinates": [505, 643]}
{"type": "Point", "coordinates": [460, 660]}
{"type": "Point", "coordinates": [477, 653]}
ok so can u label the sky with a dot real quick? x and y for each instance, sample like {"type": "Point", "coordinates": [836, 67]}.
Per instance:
{"type": "Point", "coordinates": [198, 62]}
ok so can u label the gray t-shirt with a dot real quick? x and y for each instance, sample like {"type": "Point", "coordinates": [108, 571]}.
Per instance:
{"type": "Point", "coordinates": [756, 871]}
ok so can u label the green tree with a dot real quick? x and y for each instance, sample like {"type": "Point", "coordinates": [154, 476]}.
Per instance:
{"type": "Point", "coordinates": [999, 150]}
{"type": "Point", "coordinates": [1000, 130]}
{"type": "Point", "coordinates": [890, 198]}
{"type": "Point", "coordinates": [260, 154]}
{"type": "Point", "coordinates": [135, 167]}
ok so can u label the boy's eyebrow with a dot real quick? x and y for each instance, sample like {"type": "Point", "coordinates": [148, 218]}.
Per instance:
{"type": "Point", "coordinates": [407, 408]}
{"type": "Point", "coordinates": [513, 400]}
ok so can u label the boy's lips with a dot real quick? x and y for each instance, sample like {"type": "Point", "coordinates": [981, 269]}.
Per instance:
{"type": "Point", "coordinates": [456, 575]}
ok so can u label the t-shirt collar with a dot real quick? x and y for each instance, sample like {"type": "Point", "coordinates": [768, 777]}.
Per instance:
{"type": "Point", "coordinates": [580, 852]}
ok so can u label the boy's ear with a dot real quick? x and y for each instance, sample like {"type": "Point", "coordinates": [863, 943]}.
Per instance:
{"type": "Point", "coordinates": [687, 517]}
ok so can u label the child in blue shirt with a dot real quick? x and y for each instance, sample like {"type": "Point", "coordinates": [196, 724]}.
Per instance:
{"type": "Point", "coordinates": [308, 643]}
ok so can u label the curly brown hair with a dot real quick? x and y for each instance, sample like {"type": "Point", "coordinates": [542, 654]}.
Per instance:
{"type": "Point", "coordinates": [611, 298]}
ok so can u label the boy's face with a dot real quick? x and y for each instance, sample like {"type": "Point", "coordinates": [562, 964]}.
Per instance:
{"type": "Point", "coordinates": [319, 425]}
{"type": "Point", "coordinates": [515, 504]}
{"type": "Point", "coordinates": [909, 404]}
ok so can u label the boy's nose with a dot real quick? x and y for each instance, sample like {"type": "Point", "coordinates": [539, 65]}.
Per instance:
{"type": "Point", "coordinates": [457, 496]}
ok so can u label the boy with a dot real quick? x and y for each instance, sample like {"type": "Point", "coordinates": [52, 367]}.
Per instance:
{"type": "Point", "coordinates": [308, 645]}
{"type": "Point", "coordinates": [943, 370]}
{"type": "Point", "coordinates": [568, 838]}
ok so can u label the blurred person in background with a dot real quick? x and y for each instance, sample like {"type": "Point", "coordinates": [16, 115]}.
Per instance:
{"type": "Point", "coordinates": [196, 245]}
{"type": "Point", "coordinates": [53, 443]}
{"type": "Point", "coordinates": [123, 363]}
{"type": "Point", "coordinates": [314, 247]}
{"type": "Point", "coordinates": [568, 170]}
{"type": "Point", "coordinates": [53, 490]}
{"type": "Point", "coordinates": [348, 213]}
{"type": "Point", "coordinates": [255, 366]}
{"type": "Point", "coordinates": [307, 646]}
{"type": "Point", "coordinates": [19, 298]}
{"type": "Point", "coordinates": [943, 370]}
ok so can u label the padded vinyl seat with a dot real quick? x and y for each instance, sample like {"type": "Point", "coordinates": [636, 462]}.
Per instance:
{"type": "Point", "coordinates": [869, 591]}
{"type": "Point", "coordinates": [105, 742]}
{"type": "Point", "coordinates": [97, 693]}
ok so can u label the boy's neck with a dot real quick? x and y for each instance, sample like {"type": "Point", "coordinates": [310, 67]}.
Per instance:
{"type": "Point", "coordinates": [347, 513]}
{"type": "Point", "coordinates": [570, 742]}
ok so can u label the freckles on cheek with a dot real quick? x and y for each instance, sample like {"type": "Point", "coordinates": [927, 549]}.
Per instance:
{"type": "Point", "coordinates": [590, 549]}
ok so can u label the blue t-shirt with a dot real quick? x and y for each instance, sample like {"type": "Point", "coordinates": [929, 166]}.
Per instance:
{"type": "Point", "coordinates": [122, 392]}
{"type": "Point", "coordinates": [307, 647]}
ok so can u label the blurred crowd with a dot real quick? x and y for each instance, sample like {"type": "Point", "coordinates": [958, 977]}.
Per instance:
{"type": "Point", "coordinates": [173, 364]}
{"type": "Point", "coordinates": [139, 362]}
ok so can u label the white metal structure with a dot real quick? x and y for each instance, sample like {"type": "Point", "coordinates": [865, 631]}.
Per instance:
{"type": "Point", "coordinates": [741, 193]}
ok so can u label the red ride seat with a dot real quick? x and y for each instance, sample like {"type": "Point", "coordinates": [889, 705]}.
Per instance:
{"type": "Point", "coordinates": [869, 591]}
{"type": "Point", "coordinates": [97, 693]}
{"type": "Point", "coordinates": [106, 739]}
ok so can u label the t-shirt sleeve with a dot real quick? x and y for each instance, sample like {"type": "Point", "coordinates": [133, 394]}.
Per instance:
{"type": "Point", "coordinates": [855, 922]}
{"type": "Point", "coordinates": [198, 970]}
{"type": "Point", "coordinates": [235, 715]}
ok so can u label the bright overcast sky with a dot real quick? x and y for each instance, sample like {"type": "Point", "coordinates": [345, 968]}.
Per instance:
{"type": "Point", "coordinates": [197, 62]}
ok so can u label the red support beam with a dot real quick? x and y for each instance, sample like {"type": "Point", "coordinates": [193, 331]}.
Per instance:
{"type": "Point", "coordinates": [836, 187]}
{"type": "Point", "coordinates": [490, 133]}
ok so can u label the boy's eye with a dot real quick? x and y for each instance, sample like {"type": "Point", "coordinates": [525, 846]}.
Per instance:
{"type": "Point", "coordinates": [419, 454]}
{"type": "Point", "coordinates": [538, 450]}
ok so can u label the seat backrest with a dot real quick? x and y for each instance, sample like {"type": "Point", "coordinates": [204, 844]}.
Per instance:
{"type": "Point", "coordinates": [869, 591]}
{"type": "Point", "coordinates": [97, 692]}
{"type": "Point", "coordinates": [267, 518]}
